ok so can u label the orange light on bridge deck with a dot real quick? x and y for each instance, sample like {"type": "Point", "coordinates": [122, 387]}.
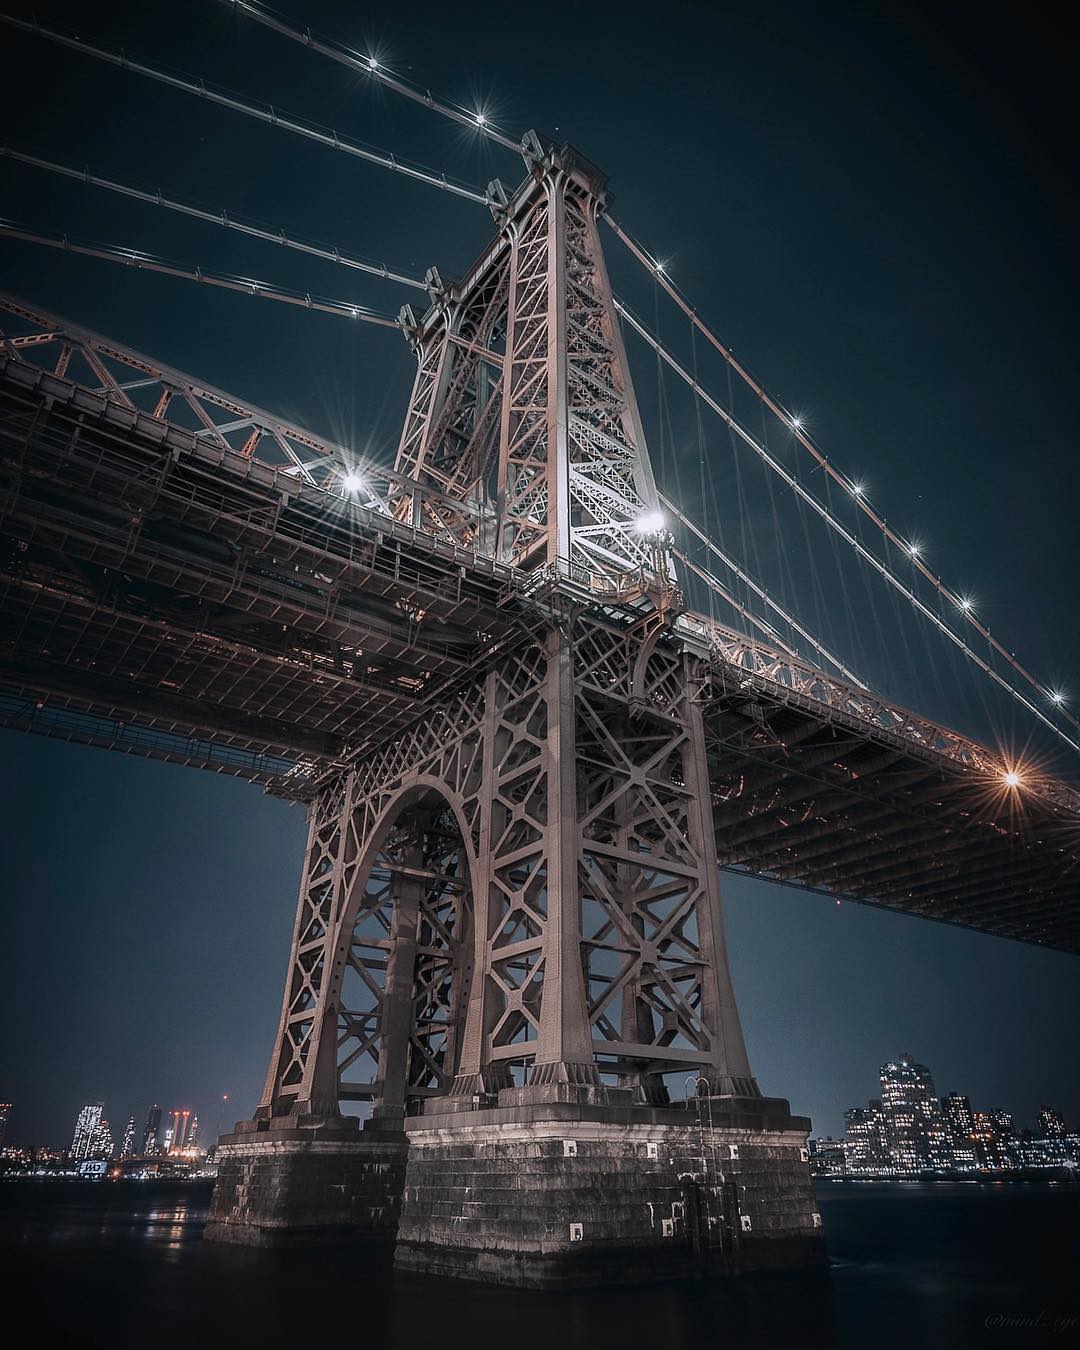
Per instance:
{"type": "Point", "coordinates": [1011, 778]}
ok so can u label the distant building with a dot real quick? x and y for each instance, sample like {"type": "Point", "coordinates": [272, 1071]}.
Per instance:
{"type": "Point", "coordinates": [127, 1144]}
{"type": "Point", "coordinates": [827, 1157]}
{"type": "Point", "coordinates": [989, 1144]}
{"type": "Point", "coordinates": [1032, 1152]}
{"type": "Point", "coordinates": [5, 1116]}
{"type": "Point", "coordinates": [958, 1115]}
{"type": "Point", "coordinates": [101, 1141]}
{"type": "Point", "coordinates": [193, 1133]}
{"type": "Point", "coordinates": [1051, 1123]}
{"type": "Point", "coordinates": [915, 1133]}
{"type": "Point", "coordinates": [88, 1121]}
{"type": "Point", "coordinates": [152, 1138]}
{"type": "Point", "coordinates": [177, 1134]}
{"type": "Point", "coordinates": [1002, 1122]}
{"type": "Point", "coordinates": [152, 1133]}
{"type": "Point", "coordinates": [864, 1139]}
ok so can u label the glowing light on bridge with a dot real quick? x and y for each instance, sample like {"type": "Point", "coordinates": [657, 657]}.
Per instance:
{"type": "Point", "coordinates": [858, 489]}
{"type": "Point", "coordinates": [352, 482]}
{"type": "Point", "coordinates": [796, 422]}
{"type": "Point", "coordinates": [1012, 778]}
{"type": "Point", "coordinates": [966, 604]}
{"type": "Point", "coordinates": [1056, 696]}
{"type": "Point", "coordinates": [652, 522]}
{"type": "Point", "coordinates": [481, 119]}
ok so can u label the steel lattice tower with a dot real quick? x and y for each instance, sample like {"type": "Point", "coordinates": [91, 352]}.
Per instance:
{"type": "Point", "coordinates": [513, 906]}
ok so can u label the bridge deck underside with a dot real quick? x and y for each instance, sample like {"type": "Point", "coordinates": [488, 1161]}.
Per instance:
{"type": "Point", "coordinates": [813, 799]}
{"type": "Point", "coordinates": [164, 597]}
{"type": "Point", "coordinates": [184, 594]}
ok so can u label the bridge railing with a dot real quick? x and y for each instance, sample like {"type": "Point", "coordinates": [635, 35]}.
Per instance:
{"type": "Point", "coordinates": [44, 342]}
{"type": "Point", "coordinates": [750, 663]}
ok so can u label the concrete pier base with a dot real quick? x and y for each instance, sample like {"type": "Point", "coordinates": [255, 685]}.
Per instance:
{"type": "Point", "coordinates": [569, 1194]}
{"type": "Point", "coordinates": [302, 1181]}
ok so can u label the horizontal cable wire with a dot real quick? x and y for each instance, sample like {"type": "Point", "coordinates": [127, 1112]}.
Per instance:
{"type": "Point", "coordinates": [155, 197]}
{"type": "Point", "coordinates": [269, 114]}
{"type": "Point", "coordinates": [373, 68]}
{"type": "Point", "coordinates": [148, 262]}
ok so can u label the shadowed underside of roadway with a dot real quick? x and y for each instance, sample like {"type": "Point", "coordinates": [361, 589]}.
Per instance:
{"type": "Point", "coordinates": [167, 597]}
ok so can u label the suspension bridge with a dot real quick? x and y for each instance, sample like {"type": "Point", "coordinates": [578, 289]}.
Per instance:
{"type": "Point", "coordinates": [534, 704]}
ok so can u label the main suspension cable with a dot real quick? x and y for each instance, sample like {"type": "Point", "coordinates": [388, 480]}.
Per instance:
{"type": "Point", "coordinates": [793, 424]}
{"type": "Point", "coordinates": [760, 592]}
{"type": "Point", "coordinates": [821, 510]}
{"type": "Point", "coordinates": [371, 66]}
{"type": "Point", "coordinates": [269, 114]}
{"type": "Point", "coordinates": [225, 218]}
{"type": "Point", "coordinates": [148, 262]}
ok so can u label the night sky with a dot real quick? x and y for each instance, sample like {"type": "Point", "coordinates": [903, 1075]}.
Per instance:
{"type": "Point", "coordinates": [875, 205]}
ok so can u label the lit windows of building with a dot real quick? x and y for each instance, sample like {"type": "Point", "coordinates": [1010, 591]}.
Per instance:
{"type": "Point", "coordinates": [152, 1134]}
{"type": "Point", "coordinates": [827, 1157]}
{"type": "Point", "coordinates": [958, 1115]}
{"type": "Point", "coordinates": [127, 1145]}
{"type": "Point", "coordinates": [1051, 1123]}
{"type": "Point", "coordinates": [101, 1141]}
{"type": "Point", "coordinates": [5, 1116]}
{"type": "Point", "coordinates": [864, 1139]}
{"type": "Point", "coordinates": [913, 1125]}
{"type": "Point", "coordinates": [87, 1123]}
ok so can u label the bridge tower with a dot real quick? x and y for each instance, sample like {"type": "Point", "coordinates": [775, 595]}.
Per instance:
{"type": "Point", "coordinates": [509, 937]}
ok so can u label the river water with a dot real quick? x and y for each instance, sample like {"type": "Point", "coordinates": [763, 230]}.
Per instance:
{"type": "Point", "coordinates": [911, 1265]}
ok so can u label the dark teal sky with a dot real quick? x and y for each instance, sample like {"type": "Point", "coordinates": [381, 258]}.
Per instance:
{"type": "Point", "coordinates": [876, 205]}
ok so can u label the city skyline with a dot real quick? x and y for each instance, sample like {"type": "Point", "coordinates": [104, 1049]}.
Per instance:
{"type": "Point", "coordinates": [909, 1129]}
{"type": "Point", "coordinates": [904, 1082]}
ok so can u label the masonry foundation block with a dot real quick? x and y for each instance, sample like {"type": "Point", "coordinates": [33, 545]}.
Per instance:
{"type": "Point", "coordinates": [564, 1194]}
{"type": "Point", "coordinates": [307, 1181]}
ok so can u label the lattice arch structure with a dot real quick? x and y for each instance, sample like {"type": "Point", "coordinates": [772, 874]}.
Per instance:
{"type": "Point", "coordinates": [527, 878]}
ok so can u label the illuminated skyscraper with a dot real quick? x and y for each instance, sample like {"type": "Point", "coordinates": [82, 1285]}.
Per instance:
{"type": "Point", "coordinates": [127, 1146]}
{"type": "Point", "coordinates": [193, 1133]}
{"type": "Point", "coordinates": [914, 1130]}
{"type": "Point", "coordinates": [5, 1116]}
{"type": "Point", "coordinates": [89, 1120]}
{"type": "Point", "coordinates": [151, 1136]}
{"type": "Point", "coordinates": [101, 1141]}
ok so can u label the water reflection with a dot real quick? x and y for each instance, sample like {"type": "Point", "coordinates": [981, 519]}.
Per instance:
{"type": "Point", "coordinates": [123, 1266]}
